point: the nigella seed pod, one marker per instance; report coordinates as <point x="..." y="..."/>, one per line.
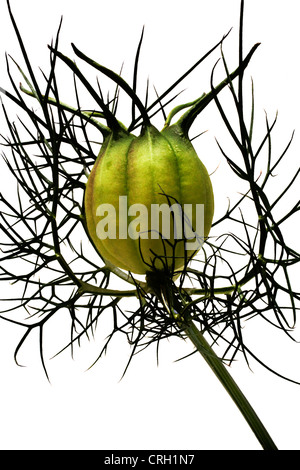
<point x="149" y="200"/>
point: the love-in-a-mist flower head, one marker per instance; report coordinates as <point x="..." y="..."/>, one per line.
<point x="98" y="200"/>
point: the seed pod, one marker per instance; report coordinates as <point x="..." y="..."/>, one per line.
<point x="149" y="200"/>
<point x="134" y="174"/>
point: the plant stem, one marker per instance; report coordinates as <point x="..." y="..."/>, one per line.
<point x="230" y="385"/>
<point x="187" y="119"/>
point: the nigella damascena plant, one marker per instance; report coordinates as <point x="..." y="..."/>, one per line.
<point x="141" y="203"/>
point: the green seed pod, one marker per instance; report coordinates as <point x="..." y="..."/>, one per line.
<point x="149" y="200"/>
<point x="139" y="174"/>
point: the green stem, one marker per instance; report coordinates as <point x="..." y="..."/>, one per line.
<point x="87" y="116"/>
<point x="187" y="119"/>
<point x="230" y="385"/>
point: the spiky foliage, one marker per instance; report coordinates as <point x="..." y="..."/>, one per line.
<point x="49" y="261"/>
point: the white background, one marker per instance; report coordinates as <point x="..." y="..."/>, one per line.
<point x="177" y="405"/>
